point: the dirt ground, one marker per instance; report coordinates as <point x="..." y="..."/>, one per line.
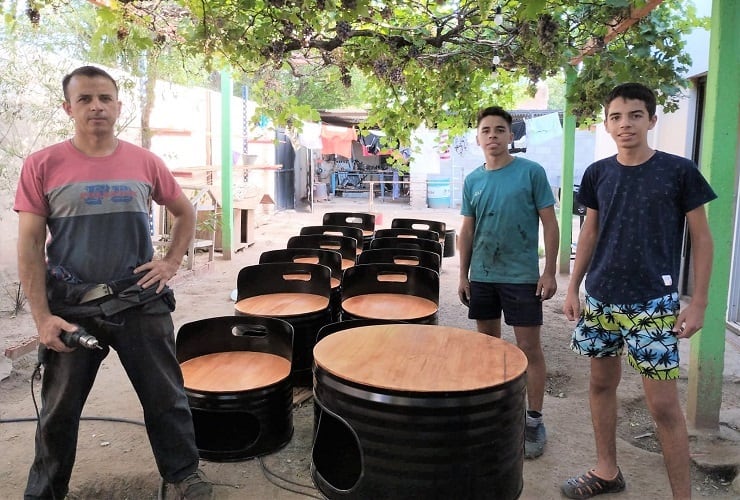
<point x="114" y="460"/>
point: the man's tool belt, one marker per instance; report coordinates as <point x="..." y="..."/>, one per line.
<point x="86" y="300"/>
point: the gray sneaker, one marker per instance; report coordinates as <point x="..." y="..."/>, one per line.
<point x="535" y="438"/>
<point x="195" y="487"/>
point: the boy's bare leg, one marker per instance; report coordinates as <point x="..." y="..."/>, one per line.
<point x="605" y="375"/>
<point x="663" y="403"/>
<point x="528" y="340"/>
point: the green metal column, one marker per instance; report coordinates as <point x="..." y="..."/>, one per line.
<point x="566" y="183"/>
<point x="719" y="161"/>
<point x="227" y="211"/>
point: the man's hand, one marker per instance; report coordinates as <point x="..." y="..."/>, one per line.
<point x="157" y="271"/>
<point x="50" y="331"/>
<point x="689" y="321"/>
<point x="572" y="306"/>
<point x="463" y="291"/>
<point x="546" y="286"/>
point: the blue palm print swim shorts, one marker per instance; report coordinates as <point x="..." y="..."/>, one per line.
<point x="652" y="348"/>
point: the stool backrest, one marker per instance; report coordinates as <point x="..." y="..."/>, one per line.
<point x="351" y="231"/>
<point x="328" y="258"/>
<point x="403" y="232"/>
<point x="283" y="277"/>
<point x="429" y="225"/>
<point x="407" y="243"/>
<point x="345" y="245"/>
<point x="364" y="279"/>
<point x="363" y="220"/>
<point x="406" y="256"/>
<point x="234" y="333"/>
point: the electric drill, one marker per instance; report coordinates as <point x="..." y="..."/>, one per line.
<point x="74" y="339"/>
<point x="79" y="338"/>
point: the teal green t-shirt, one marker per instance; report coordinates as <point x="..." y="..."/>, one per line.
<point x="505" y="205"/>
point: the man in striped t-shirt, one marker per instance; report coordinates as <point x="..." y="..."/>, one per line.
<point x="93" y="192"/>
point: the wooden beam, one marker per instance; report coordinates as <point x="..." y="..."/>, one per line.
<point x="596" y="44"/>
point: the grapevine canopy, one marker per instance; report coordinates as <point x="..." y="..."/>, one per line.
<point x="431" y="62"/>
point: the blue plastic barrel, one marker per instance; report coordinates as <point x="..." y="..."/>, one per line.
<point x="438" y="193"/>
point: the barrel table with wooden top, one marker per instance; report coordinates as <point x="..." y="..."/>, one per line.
<point x="306" y="312"/>
<point x="236" y="372"/>
<point x="418" y="411"/>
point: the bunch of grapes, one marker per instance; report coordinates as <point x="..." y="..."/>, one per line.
<point x="381" y="67"/>
<point x="288" y="29"/>
<point x="534" y="70"/>
<point x="346" y="77"/>
<point x="321" y="4"/>
<point x="344" y="30"/>
<point x="414" y="52"/>
<point x="349" y="4"/>
<point x="547" y="28"/>
<point x="396" y="76"/>
<point x="276" y="50"/>
<point x="33" y="14"/>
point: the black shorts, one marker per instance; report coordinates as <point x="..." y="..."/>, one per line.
<point x="520" y="305"/>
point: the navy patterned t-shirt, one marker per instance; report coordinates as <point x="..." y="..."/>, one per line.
<point x="641" y="224"/>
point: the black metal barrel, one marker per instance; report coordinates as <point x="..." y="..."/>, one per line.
<point x="373" y="441"/>
<point x="238" y="412"/>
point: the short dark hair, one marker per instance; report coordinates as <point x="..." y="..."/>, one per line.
<point x="634" y="91"/>
<point x="88" y="71"/>
<point x="494" y="111"/>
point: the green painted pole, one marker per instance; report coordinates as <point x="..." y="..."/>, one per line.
<point x="566" y="176"/>
<point x="227" y="218"/>
<point x="718" y="163"/>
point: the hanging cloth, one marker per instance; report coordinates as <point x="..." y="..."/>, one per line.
<point x="337" y="140"/>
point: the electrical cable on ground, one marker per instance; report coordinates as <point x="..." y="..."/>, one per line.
<point x="269" y="475"/>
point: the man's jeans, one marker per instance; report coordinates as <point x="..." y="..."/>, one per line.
<point x="146" y="348"/>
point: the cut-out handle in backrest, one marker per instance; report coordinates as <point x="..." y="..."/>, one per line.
<point x="297" y="276"/>
<point x="256" y="331"/>
<point x="353" y="220"/>
<point x="331" y="246"/>
<point x="407" y="260"/>
<point x="392" y="276"/>
<point x="421" y="226"/>
<point x="305" y="260"/>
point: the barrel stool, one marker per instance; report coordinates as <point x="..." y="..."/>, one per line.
<point x="328" y="258"/>
<point x="390" y="291"/>
<point x="237" y="379"/>
<point x="299" y="293"/>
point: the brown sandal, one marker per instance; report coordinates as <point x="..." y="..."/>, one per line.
<point x="589" y="485"/>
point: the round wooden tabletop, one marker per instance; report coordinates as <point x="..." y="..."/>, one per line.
<point x="282" y="304"/>
<point x="389" y="306"/>
<point x="234" y="371"/>
<point x="419" y="358"/>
